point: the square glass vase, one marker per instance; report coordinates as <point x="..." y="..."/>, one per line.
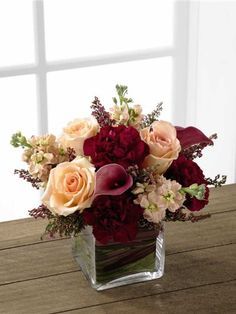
<point x="117" y="264"/>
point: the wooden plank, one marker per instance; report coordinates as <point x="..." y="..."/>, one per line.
<point x="21" y="232"/>
<point x="26" y="231"/>
<point x="70" y="291"/>
<point x="216" y="230"/>
<point x="221" y="192"/>
<point x="216" y="298"/>
<point x="35" y="261"/>
<point x="38" y="260"/>
<point x="222" y="199"/>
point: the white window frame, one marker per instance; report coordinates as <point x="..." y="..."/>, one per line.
<point x="179" y="53"/>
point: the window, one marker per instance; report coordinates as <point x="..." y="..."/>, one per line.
<point x="56" y="55"/>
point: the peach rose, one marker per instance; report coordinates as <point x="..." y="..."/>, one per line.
<point x="77" y="131"/>
<point x="70" y="187"/>
<point x="163" y="144"/>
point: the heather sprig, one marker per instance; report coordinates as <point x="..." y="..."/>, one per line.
<point x="41" y="212"/>
<point x="67" y="226"/>
<point x="140" y="175"/>
<point x="145" y="224"/>
<point x="100" y="114"/>
<point x="25" y="175"/>
<point x="195" y="151"/>
<point x="152" y="117"/>
<point x="71" y="153"/>
<point x="181" y="215"/>
<point x="62" y="225"/>
<point x="217" y="181"/>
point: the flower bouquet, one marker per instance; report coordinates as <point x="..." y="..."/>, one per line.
<point x="111" y="180"/>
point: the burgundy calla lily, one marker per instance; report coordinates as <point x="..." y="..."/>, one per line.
<point x="112" y="179"/>
<point x="191" y="136"/>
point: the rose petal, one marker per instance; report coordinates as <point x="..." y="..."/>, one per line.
<point x="190" y="136"/>
<point x="112" y="179"/>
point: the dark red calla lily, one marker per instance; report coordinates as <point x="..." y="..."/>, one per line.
<point x="112" y="179"/>
<point x="191" y="136"/>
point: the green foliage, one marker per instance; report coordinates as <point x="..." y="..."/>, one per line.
<point x="19" y="140"/>
<point x="122" y="91"/>
<point x="195" y="190"/>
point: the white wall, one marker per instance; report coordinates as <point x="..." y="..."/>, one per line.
<point x="212" y="82"/>
<point x="211" y="92"/>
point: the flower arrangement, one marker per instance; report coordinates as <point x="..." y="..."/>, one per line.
<point x="117" y="171"/>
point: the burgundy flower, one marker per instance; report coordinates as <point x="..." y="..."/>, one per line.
<point x="191" y="136"/>
<point x="121" y="145"/>
<point x="112" y="179"/>
<point x="113" y="218"/>
<point x="187" y="172"/>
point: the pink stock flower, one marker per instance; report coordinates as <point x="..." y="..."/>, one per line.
<point x="156" y="199"/>
<point x="169" y="196"/>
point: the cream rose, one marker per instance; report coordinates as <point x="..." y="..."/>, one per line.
<point x="77" y="131"/>
<point x="70" y="187"/>
<point x="163" y="144"/>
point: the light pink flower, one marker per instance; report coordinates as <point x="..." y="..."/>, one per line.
<point x="120" y="114"/>
<point x="156" y="199"/>
<point x="77" y="131"/>
<point x="127" y="115"/>
<point x="163" y="144"/>
<point x="135" y="116"/>
<point x="169" y="195"/>
<point x="70" y="187"/>
<point x="154" y="216"/>
<point x="149" y="200"/>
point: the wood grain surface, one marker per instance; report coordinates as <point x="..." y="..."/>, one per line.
<point x="200" y="272"/>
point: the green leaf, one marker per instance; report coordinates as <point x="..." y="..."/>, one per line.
<point x="122" y="90"/>
<point x="114" y="100"/>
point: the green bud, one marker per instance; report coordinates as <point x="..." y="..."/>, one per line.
<point x="18" y="140"/>
<point x="61" y="151"/>
<point x="195" y="190"/>
<point x="122" y="90"/>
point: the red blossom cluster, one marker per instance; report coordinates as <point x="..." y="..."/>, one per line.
<point x="114" y="218"/>
<point x="121" y="145"/>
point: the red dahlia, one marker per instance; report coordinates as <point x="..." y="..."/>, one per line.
<point x="187" y="172"/>
<point x="113" y="218"/>
<point x="121" y="145"/>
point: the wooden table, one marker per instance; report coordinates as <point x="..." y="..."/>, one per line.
<point x="200" y="274"/>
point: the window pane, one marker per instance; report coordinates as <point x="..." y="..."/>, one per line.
<point x="84" y="28"/>
<point x="17" y="98"/>
<point x="16" y="32"/>
<point x="70" y="92"/>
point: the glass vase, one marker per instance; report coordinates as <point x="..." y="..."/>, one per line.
<point x="116" y="264"/>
